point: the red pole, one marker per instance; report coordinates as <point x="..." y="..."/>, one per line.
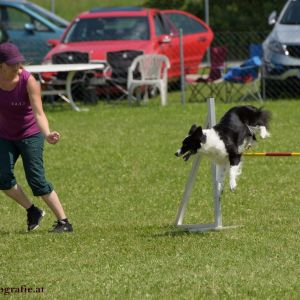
<point x="271" y="154"/>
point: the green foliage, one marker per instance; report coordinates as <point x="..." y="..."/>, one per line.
<point x="229" y="15"/>
<point x="69" y="9"/>
<point x="242" y="15"/>
<point x="171" y="4"/>
<point x="120" y="183"/>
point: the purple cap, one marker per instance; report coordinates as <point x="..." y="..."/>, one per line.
<point x="10" y="54"/>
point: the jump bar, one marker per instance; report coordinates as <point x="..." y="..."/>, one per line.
<point x="271" y="154"/>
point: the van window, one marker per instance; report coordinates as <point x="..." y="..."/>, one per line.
<point x="291" y="15"/>
<point x="15" y="19"/>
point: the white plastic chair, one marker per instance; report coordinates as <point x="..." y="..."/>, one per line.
<point x="152" y="71"/>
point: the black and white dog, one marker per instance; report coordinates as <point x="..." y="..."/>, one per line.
<point x="226" y="141"/>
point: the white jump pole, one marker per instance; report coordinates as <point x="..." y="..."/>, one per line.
<point x="211" y="121"/>
<point x="214" y="170"/>
<point x="188" y="191"/>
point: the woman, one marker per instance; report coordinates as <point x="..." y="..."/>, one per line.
<point x="23" y="128"/>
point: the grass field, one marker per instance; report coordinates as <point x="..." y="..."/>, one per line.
<point x="121" y="184"/>
<point x="68" y="9"/>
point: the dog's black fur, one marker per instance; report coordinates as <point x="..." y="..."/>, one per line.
<point x="227" y="140"/>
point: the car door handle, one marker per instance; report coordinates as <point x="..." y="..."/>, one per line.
<point x="202" y="39"/>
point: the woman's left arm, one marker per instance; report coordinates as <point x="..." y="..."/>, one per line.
<point x="34" y="92"/>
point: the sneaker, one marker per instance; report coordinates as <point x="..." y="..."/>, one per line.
<point x="62" y="226"/>
<point x="34" y="217"/>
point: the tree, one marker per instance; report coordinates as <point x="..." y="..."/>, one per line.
<point x="227" y="15"/>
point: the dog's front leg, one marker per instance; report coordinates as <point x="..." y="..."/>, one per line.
<point x="221" y="172"/>
<point x="234" y="170"/>
<point x="263" y="132"/>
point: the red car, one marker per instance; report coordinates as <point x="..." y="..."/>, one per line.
<point x="92" y="34"/>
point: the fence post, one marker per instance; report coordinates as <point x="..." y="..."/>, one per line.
<point x="53" y="6"/>
<point x="182" y="72"/>
<point x="207" y="22"/>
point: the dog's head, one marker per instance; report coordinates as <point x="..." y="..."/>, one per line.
<point x="254" y="116"/>
<point x="192" y="143"/>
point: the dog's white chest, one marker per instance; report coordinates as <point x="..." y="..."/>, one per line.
<point x="214" y="147"/>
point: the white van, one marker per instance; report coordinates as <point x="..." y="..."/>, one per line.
<point x="282" y="47"/>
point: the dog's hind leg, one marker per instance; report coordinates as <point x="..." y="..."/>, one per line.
<point x="234" y="170"/>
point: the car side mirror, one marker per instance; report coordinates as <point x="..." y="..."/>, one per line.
<point x="164" y="39"/>
<point x="29" y="27"/>
<point x="53" y="43"/>
<point x="272" y="18"/>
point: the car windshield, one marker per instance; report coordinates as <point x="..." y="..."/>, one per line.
<point x="291" y="15"/>
<point x="58" y="21"/>
<point x="108" y="28"/>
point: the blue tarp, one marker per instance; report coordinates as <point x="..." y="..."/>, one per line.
<point x="246" y="72"/>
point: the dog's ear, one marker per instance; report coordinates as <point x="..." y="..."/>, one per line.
<point x="200" y="135"/>
<point x="265" y="116"/>
<point x="193" y="129"/>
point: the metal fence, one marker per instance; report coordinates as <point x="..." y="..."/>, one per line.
<point x="238" y="50"/>
<point x="237" y="44"/>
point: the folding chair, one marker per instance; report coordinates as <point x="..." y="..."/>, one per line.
<point x="199" y="83"/>
<point x="256" y="50"/>
<point x="117" y="72"/>
<point x="247" y="77"/>
<point x="149" y="70"/>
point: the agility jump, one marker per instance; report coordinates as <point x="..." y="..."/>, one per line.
<point x="211" y="121"/>
<point x="217" y="189"/>
<point x="271" y="154"/>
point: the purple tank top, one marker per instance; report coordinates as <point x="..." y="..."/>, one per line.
<point x="16" y="116"/>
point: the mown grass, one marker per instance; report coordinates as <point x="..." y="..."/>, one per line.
<point x="121" y="184"/>
<point x="68" y="9"/>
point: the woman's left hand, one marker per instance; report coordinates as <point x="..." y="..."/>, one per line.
<point x="53" y="137"/>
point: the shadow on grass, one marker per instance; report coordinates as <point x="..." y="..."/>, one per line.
<point x="173" y="231"/>
<point x="15" y="232"/>
<point x="40" y="232"/>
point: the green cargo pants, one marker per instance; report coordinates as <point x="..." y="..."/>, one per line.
<point x="31" y="150"/>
